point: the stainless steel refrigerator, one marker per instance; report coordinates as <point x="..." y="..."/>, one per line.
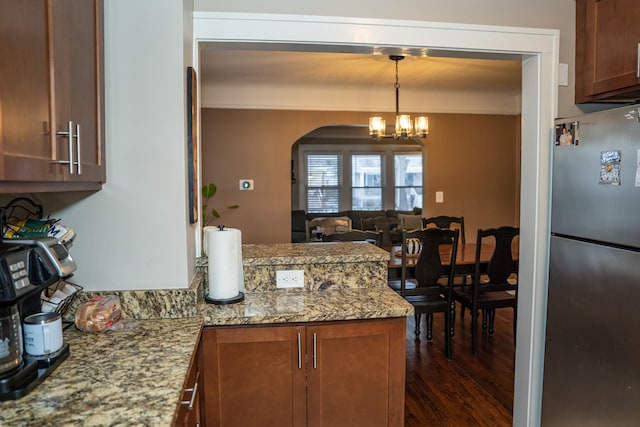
<point x="592" y="349"/>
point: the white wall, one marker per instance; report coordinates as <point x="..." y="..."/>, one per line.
<point x="557" y="14"/>
<point x="135" y="233"/>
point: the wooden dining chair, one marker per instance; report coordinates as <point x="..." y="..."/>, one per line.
<point x="374" y="237"/>
<point x="450" y="222"/>
<point x="431" y="291"/>
<point x="497" y="287"/>
<point x="447" y="222"/>
<point x="383" y="224"/>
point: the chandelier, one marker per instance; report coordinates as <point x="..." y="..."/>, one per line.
<point x="405" y="128"/>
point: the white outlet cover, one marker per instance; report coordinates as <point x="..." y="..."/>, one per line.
<point x="290" y="279"/>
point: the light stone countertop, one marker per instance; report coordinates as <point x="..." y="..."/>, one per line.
<point x="311" y="253"/>
<point x="123" y="378"/>
<point x="295" y="306"/>
<point x="135" y="377"/>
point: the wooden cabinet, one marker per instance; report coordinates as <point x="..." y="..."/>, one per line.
<point x="319" y="374"/>
<point x="607" y="50"/>
<point x="189" y="408"/>
<point x="51" y="83"/>
<point x="356" y="374"/>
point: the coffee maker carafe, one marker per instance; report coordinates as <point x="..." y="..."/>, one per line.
<point x="11" y="346"/>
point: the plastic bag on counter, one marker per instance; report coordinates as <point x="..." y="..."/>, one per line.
<point x="102" y="313"/>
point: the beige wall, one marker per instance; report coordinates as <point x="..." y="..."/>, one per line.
<point x="473" y="159"/>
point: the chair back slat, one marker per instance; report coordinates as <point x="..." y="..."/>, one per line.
<point x="429" y="268"/>
<point x="501" y="264"/>
<point x="446" y="222"/>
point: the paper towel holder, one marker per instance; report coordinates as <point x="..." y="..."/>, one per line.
<point x="225" y="301"/>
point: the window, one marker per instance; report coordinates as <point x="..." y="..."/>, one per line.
<point x="356" y="178"/>
<point x="408" y="181"/>
<point x="324" y="182"/>
<point x="366" y="182"/>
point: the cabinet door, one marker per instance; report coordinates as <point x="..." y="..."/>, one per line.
<point x="78" y="88"/>
<point x="254" y="376"/>
<point x="607" y="49"/>
<point x="356" y="374"/>
<point x="25" y="146"/>
<point x="188" y="414"/>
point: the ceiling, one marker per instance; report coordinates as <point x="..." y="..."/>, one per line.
<point x="430" y="71"/>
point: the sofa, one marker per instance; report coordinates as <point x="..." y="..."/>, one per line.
<point x="299" y="218"/>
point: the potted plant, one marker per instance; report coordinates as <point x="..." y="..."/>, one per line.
<point x="210" y="215"/>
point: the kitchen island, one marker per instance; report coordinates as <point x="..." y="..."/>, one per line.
<point x="136" y="377"/>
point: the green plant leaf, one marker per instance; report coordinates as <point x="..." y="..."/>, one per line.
<point x="215" y="213"/>
<point x="208" y="191"/>
<point x="233" y="207"/>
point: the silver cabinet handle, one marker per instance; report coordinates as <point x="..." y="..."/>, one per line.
<point x="69" y="134"/>
<point x="194" y="392"/>
<point x="638" y="62"/>
<point x="79" y="162"/>
<point x="299" y="353"/>
<point x="315" y="353"/>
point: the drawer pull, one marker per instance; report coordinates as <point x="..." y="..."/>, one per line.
<point x="194" y="392"/>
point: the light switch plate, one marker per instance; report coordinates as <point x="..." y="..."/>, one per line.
<point x="563" y="74"/>
<point x="246" y="184"/>
<point x="439" y="197"/>
<point x="290" y="279"/>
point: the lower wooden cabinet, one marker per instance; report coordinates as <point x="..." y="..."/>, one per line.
<point x="189" y="408"/>
<point x="329" y="374"/>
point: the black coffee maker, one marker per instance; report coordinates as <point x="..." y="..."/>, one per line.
<point x="24" y="272"/>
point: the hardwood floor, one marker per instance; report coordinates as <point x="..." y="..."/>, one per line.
<point x="466" y="391"/>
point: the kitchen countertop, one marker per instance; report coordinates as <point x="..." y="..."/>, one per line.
<point x="294" y="306"/>
<point x="135" y="377"/>
<point x="124" y="378"/>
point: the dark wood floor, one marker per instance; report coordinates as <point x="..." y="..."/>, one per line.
<point x="466" y="391"/>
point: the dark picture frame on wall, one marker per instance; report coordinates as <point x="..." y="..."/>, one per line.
<point x="192" y="143"/>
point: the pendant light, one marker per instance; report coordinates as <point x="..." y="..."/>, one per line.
<point x="405" y="128"/>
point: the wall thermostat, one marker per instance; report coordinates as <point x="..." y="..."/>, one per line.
<point x="246" y="184"/>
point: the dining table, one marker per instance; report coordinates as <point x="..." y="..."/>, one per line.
<point x="465" y="258"/>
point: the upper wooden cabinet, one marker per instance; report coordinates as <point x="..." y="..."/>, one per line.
<point x="51" y="86"/>
<point x="607" y="50"/>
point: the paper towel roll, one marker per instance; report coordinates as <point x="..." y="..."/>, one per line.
<point x="224" y="249"/>
<point x="205" y="230"/>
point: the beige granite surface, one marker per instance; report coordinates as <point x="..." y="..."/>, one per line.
<point x="308" y="253"/>
<point x="126" y="378"/>
<point x="283" y="306"/>
<point x="135" y="377"/>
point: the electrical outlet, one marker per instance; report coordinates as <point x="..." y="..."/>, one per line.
<point x="290" y="279"/>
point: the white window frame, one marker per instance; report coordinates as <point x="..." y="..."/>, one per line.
<point x="387" y="152"/>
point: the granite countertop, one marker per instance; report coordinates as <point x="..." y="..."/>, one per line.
<point x="123" y="378"/>
<point x="136" y="376"/>
<point x="294" y="306"/>
<point x="311" y="253"/>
